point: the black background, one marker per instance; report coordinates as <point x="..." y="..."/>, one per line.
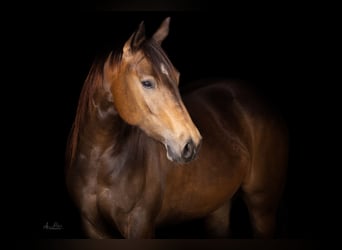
<point x="274" y="50"/>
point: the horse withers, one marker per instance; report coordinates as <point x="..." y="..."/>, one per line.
<point x="141" y="156"/>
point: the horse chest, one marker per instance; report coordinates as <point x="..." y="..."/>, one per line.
<point x="126" y="201"/>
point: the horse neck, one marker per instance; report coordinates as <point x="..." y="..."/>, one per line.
<point x="111" y="134"/>
<point x="124" y="149"/>
<point x="101" y="120"/>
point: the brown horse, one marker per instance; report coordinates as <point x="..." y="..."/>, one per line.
<point x="136" y="158"/>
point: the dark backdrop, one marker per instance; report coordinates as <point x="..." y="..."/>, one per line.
<point x="271" y="50"/>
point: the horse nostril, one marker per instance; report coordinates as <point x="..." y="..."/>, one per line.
<point x="188" y="150"/>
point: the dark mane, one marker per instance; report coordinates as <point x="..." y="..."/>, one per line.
<point x="93" y="81"/>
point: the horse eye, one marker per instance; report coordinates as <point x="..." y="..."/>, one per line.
<point x="147" y="84"/>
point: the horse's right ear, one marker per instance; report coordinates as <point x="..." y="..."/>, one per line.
<point x="134" y="42"/>
<point x="162" y="31"/>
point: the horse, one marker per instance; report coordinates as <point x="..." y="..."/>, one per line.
<point x="140" y="155"/>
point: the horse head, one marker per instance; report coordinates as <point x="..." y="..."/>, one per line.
<point x="144" y="88"/>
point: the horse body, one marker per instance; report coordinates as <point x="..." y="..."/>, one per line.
<point x="244" y="146"/>
<point x="125" y="176"/>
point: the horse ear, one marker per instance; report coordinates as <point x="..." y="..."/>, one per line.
<point x="162" y="31"/>
<point x="108" y="72"/>
<point x="134" y="42"/>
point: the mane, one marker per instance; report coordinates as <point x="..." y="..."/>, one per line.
<point x="93" y="81"/>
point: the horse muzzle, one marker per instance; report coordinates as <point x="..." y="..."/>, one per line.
<point x="184" y="154"/>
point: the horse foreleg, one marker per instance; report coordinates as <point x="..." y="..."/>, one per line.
<point x="262" y="213"/>
<point x="218" y="222"/>
<point x="92" y="230"/>
<point x="140" y="225"/>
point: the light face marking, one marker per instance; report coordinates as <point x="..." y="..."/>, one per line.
<point x="163" y="70"/>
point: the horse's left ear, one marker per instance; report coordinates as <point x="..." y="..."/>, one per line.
<point x="134" y="42"/>
<point x="162" y="31"/>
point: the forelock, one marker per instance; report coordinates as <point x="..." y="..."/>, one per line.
<point x="160" y="62"/>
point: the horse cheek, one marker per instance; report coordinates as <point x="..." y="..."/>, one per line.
<point x="126" y="104"/>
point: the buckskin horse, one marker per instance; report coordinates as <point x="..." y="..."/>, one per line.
<point x="140" y="155"/>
